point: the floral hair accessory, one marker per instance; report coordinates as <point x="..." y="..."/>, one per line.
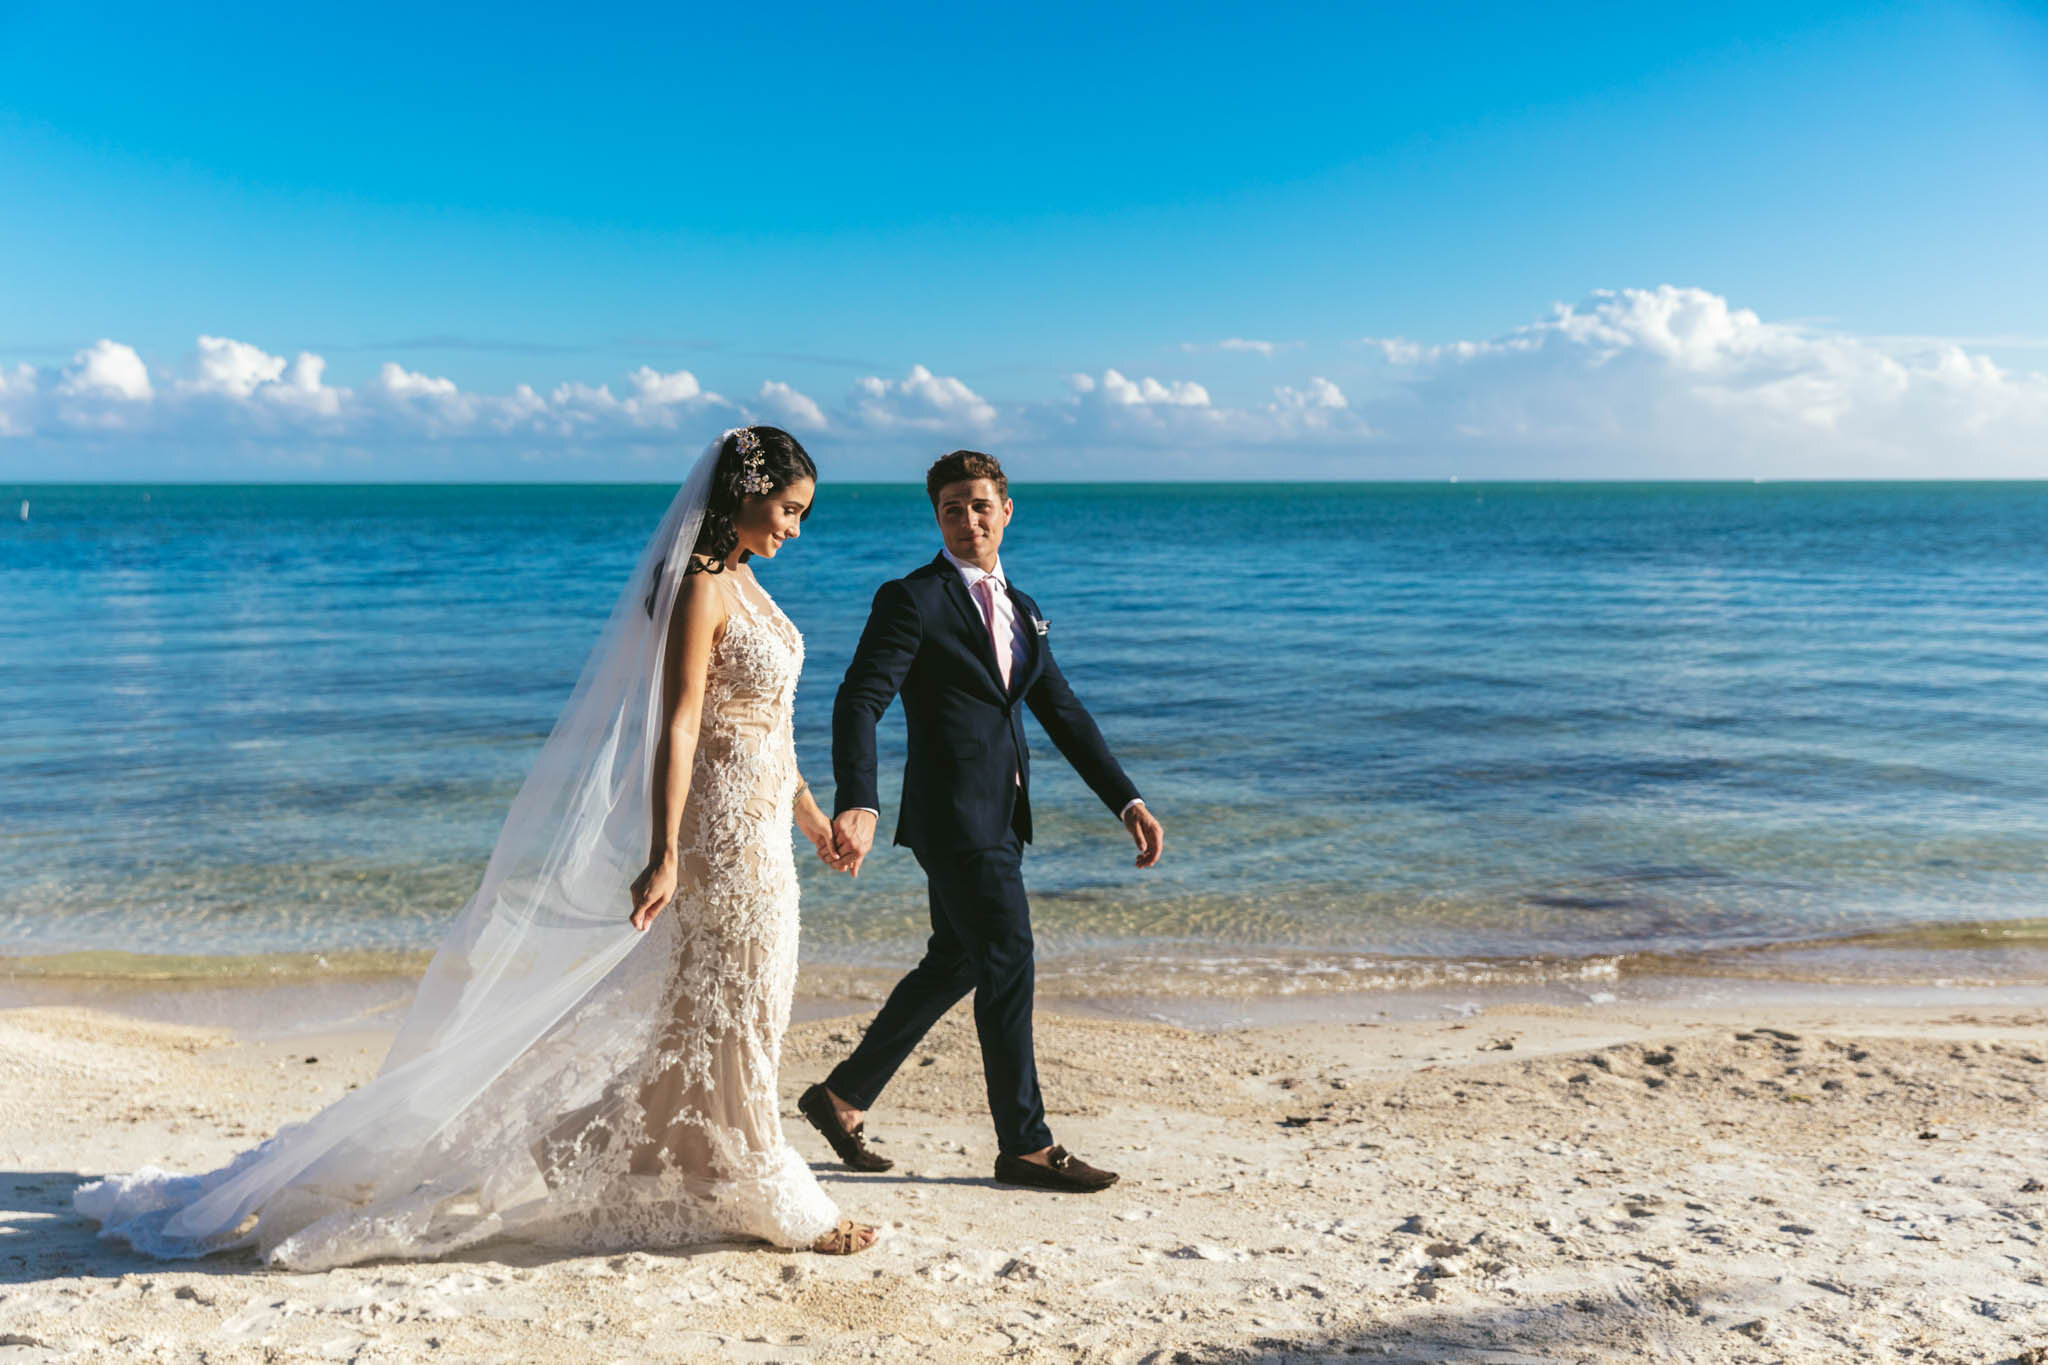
<point x="754" y="480"/>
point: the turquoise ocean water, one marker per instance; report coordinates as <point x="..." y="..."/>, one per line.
<point x="1397" y="732"/>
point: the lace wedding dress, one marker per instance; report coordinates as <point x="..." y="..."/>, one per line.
<point x="687" y="1145"/>
<point x="561" y="1078"/>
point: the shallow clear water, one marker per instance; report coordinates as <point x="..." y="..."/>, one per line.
<point x="1382" y="722"/>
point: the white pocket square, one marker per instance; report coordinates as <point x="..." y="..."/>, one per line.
<point x="1040" y="624"/>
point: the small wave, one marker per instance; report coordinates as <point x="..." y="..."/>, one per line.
<point x="1261" y="974"/>
<point x="1986" y="953"/>
<point x="223" y="970"/>
<point x="1961" y="934"/>
<point x="1970" y="953"/>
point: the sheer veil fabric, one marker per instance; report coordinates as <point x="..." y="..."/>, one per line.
<point x="545" y="1024"/>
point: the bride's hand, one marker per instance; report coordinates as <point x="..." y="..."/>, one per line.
<point x="652" y="890"/>
<point x="810" y="819"/>
<point x="828" y="854"/>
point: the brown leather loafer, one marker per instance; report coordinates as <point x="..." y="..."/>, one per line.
<point x="816" y="1105"/>
<point x="1067" y="1173"/>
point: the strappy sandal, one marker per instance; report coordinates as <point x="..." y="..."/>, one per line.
<point x="844" y="1240"/>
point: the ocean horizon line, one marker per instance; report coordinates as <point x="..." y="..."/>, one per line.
<point x="1458" y="482"/>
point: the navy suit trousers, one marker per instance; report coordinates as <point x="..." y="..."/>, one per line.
<point x="981" y="942"/>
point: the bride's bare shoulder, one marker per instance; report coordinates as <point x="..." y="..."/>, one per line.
<point x="699" y="600"/>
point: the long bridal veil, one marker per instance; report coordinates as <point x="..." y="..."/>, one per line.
<point x="533" y="1002"/>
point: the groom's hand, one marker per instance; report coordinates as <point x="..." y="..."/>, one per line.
<point x="853" y="835"/>
<point x="1147" y="832"/>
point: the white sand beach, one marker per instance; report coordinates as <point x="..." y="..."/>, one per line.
<point x="1530" y="1183"/>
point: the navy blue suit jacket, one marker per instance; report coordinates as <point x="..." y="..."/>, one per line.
<point x="926" y="640"/>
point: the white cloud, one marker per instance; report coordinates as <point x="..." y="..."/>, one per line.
<point x="1675" y="381"/>
<point x="1113" y="411"/>
<point x="658" y="403"/>
<point x="665" y="401"/>
<point x="107" y="369"/>
<point x="433" y="406"/>
<point x="790" y="408"/>
<point x="1666" y="382"/>
<point x="524" y="404"/>
<point x="1318" y="411"/>
<point x="921" y="401"/>
<point x="1182" y="393"/>
<point x="245" y="386"/>
<point x="1245" y="344"/>
<point x="398" y="382"/>
<point x="1320" y="393"/>
<point x="655" y="389"/>
<point x="1397" y="351"/>
<point x="1182" y="418"/>
<point x="17" y="395"/>
<point x="234" y="369"/>
<point x="583" y="396"/>
<point x="301" y="387"/>
<point x="105" y="391"/>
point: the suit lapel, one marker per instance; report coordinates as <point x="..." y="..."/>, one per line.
<point x="1034" y="646"/>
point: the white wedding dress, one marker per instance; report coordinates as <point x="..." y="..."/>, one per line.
<point x="686" y="1145"/>
<point x="561" y="1078"/>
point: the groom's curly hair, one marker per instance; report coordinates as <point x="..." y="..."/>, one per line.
<point x="961" y="466"/>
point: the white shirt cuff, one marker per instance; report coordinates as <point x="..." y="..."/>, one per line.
<point x="869" y="809"/>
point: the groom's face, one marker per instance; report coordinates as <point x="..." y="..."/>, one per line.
<point x="972" y="516"/>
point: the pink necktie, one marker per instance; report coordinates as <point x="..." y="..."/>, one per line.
<point x="985" y="589"/>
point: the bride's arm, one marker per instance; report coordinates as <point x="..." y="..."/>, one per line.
<point x="693" y="627"/>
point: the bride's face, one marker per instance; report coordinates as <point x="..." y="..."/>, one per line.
<point x="765" y="520"/>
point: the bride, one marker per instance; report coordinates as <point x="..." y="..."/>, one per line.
<point x="567" y="1074"/>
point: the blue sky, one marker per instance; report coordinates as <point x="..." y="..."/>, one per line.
<point x="1522" y="241"/>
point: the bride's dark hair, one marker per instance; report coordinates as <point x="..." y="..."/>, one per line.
<point x="782" y="459"/>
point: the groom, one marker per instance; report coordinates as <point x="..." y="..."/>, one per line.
<point x="968" y="652"/>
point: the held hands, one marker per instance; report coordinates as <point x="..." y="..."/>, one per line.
<point x="811" y="820"/>
<point x="1147" y="832"/>
<point x="853" y="836"/>
<point x="653" y="889"/>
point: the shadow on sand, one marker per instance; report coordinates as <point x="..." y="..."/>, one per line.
<point x="1575" y="1330"/>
